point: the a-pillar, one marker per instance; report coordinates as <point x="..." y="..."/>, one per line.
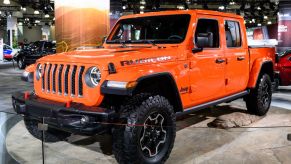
<point x="284" y="26"/>
<point x="12" y="30"/>
<point x="80" y="23"/>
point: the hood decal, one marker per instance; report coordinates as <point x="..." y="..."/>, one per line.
<point x="145" y="60"/>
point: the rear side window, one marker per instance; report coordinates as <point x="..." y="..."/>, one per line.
<point x="207" y="33"/>
<point x="232" y="34"/>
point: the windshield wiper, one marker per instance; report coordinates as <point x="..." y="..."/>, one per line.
<point x="123" y="45"/>
<point x="151" y="42"/>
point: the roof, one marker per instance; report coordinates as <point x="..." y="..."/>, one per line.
<point x="172" y="12"/>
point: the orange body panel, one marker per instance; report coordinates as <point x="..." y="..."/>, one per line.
<point x="207" y="81"/>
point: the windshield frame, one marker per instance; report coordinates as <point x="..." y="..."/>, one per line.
<point x="155" y="41"/>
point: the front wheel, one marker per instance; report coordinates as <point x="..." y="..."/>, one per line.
<point x="20" y="63"/>
<point x="259" y="100"/>
<point x="148" y="134"/>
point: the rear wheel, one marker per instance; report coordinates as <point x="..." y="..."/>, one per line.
<point x="148" y="134"/>
<point x="51" y="135"/>
<point x="20" y="63"/>
<point x="259" y="100"/>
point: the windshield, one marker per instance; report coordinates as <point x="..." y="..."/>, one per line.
<point x="153" y="29"/>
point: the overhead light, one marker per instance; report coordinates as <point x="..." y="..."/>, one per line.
<point x="265" y="17"/>
<point x="37" y="21"/>
<point x="23" y="8"/>
<point x="123" y="7"/>
<point x="141" y="12"/>
<point x="247" y="6"/>
<point x="181" y="7"/>
<point x="141" y="7"/>
<point x="142" y="2"/>
<point x="251" y="21"/>
<point x="232" y="3"/>
<point x="36" y="12"/>
<point x="269" y="22"/>
<point x="20" y="23"/>
<point x="221" y="7"/>
<point x="259" y="24"/>
<point x="259" y="8"/>
<point x="6" y="2"/>
<point x="46" y="16"/>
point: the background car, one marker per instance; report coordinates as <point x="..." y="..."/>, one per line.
<point x="29" y="54"/>
<point x="283" y="69"/>
<point x="9" y="52"/>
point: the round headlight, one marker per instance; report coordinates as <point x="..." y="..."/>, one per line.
<point x="38" y="71"/>
<point x="93" y="77"/>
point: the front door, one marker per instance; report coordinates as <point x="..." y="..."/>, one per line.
<point x="207" y="67"/>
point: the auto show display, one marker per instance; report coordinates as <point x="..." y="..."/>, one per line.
<point x="29" y="54"/>
<point x="151" y="68"/>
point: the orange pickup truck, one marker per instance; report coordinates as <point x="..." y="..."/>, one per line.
<point x="151" y="68"/>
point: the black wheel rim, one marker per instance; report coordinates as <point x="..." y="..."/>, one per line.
<point x="20" y="63"/>
<point x="266" y="95"/>
<point x="153" y="135"/>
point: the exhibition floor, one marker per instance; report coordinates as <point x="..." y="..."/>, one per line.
<point x="264" y="141"/>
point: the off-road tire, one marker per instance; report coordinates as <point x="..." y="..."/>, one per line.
<point x="51" y="135"/>
<point x="20" y="63"/>
<point x="259" y="100"/>
<point x="127" y="136"/>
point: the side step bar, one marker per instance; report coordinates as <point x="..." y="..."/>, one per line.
<point x="212" y="103"/>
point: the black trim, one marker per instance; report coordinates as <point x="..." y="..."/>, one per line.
<point x="131" y="91"/>
<point x="111" y="68"/>
<point x="172" y="81"/>
<point x="58" y="116"/>
<point x="212" y="103"/>
<point x="115" y="91"/>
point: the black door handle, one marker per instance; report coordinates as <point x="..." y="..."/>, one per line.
<point x="219" y="61"/>
<point x="240" y="58"/>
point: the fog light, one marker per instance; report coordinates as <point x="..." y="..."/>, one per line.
<point x="84" y="120"/>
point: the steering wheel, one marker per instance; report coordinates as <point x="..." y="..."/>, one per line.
<point x="175" y="37"/>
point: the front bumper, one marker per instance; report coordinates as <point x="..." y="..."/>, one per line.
<point x="77" y="119"/>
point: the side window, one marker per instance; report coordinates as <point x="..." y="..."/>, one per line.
<point x="232" y="34"/>
<point x="207" y="33"/>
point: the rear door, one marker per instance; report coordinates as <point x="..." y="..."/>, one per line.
<point x="236" y="54"/>
<point x="207" y="67"/>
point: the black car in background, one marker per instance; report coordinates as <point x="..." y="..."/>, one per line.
<point x="30" y="53"/>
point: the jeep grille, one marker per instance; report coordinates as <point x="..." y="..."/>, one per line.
<point x="63" y="79"/>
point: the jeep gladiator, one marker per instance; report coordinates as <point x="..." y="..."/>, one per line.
<point x="152" y="68"/>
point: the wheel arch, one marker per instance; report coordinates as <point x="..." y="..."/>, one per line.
<point x="163" y="84"/>
<point x="258" y="69"/>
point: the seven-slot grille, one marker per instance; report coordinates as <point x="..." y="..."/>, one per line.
<point x="63" y="79"/>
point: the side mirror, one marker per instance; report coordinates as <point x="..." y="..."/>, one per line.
<point x="197" y="49"/>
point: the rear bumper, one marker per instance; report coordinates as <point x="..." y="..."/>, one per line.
<point x="77" y="119"/>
